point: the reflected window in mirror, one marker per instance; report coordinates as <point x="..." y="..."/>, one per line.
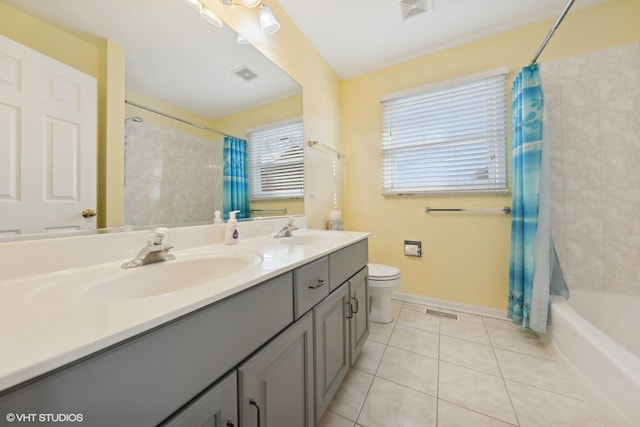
<point x="276" y="163"/>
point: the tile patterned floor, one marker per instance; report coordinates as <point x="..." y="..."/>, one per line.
<point x="426" y="371"/>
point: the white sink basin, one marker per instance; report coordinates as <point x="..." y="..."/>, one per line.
<point x="305" y="239"/>
<point x="166" y="277"/>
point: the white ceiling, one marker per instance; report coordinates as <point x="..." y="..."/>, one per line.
<point x="358" y="36"/>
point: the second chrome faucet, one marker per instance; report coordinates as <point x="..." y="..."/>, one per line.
<point x="156" y="250"/>
<point x="287" y="230"/>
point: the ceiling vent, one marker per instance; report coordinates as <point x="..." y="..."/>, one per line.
<point x="245" y="73"/>
<point x="410" y="8"/>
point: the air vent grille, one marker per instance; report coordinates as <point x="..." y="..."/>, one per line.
<point x="245" y="73"/>
<point x="441" y="314"/>
<point x="410" y="8"/>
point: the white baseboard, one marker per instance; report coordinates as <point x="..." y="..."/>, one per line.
<point x="451" y="305"/>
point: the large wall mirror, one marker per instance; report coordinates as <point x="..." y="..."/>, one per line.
<point x="189" y="86"/>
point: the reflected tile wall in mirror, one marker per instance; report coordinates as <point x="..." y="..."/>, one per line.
<point x="171" y="176"/>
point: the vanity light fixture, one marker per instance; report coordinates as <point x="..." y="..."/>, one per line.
<point x="206" y="14"/>
<point x="268" y="22"/>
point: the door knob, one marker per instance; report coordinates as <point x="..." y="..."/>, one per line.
<point x="88" y="213"/>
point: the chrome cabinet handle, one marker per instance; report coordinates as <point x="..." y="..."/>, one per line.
<point x="355" y="310"/>
<point x="350" y="310"/>
<point x="318" y="284"/>
<point x="254" y="403"/>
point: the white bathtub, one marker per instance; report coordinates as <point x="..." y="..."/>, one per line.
<point x="598" y="337"/>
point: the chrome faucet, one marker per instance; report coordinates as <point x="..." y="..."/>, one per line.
<point x="157" y="250"/>
<point x="287" y="230"/>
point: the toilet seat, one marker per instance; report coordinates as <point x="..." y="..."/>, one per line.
<point x="381" y="272"/>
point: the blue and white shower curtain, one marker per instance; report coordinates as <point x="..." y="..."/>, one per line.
<point x="531" y="249"/>
<point x="236" y="178"/>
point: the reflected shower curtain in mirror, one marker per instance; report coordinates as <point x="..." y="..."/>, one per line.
<point x="236" y="177"/>
<point x="531" y="249"/>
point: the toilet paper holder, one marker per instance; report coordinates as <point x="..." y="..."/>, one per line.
<point x="413" y="248"/>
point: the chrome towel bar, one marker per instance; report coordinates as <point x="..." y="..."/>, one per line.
<point x="282" y="210"/>
<point x="505" y="210"/>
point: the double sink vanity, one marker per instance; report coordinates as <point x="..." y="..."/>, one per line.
<point x="257" y="334"/>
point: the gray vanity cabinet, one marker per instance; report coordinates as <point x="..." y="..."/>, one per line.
<point x="215" y="407"/>
<point x="359" y="320"/>
<point x="331" y="335"/>
<point x="340" y="322"/>
<point x="276" y="384"/>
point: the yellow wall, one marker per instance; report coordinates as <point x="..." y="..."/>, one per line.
<point x="49" y="40"/>
<point x="465" y="257"/>
<point x="111" y="85"/>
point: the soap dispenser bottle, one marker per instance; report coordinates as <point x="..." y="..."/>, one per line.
<point x="231" y="235"/>
<point x="217" y="219"/>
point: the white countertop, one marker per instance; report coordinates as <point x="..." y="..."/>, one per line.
<point x="45" y="325"/>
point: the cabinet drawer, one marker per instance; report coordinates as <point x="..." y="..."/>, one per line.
<point x="310" y="285"/>
<point x="347" y="261"/>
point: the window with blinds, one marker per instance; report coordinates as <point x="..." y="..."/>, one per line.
<point x="446" y="138"/>
<point x="276" y="164"/>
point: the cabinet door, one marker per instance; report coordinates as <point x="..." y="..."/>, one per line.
<point x="359" y="299"/>
<point x="216" y="407"/>
<point x="276" y="384"/>
<point x="331" y="335"/>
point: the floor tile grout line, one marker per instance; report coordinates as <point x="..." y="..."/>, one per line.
<point x="366" y="396"/>
<point x="504" y="382"/>
<point x="478" y="412"/>
<point x="577" y="399"/>
<point x="471" y="369"/>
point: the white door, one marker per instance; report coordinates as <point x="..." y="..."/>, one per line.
<point x="48" y="140"/>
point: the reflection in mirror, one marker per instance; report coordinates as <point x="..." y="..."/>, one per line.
<point x="172" y="176"/>
<point x="175" y="63"/>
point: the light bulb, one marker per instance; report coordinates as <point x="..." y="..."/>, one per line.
<point x="268" y="22"/>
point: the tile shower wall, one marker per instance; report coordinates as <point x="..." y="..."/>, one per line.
<point x="593" y="116"/>
<point x="170" y="176"/>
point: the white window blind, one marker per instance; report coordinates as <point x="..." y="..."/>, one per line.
<point x="276" y="164"/>
<point x="450" y="138"/>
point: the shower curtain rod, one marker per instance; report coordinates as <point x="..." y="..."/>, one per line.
<point x="553" y="30"/>
<point x="199" y="126"/>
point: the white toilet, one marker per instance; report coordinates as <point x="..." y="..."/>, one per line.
<point x="383" y="279"/>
